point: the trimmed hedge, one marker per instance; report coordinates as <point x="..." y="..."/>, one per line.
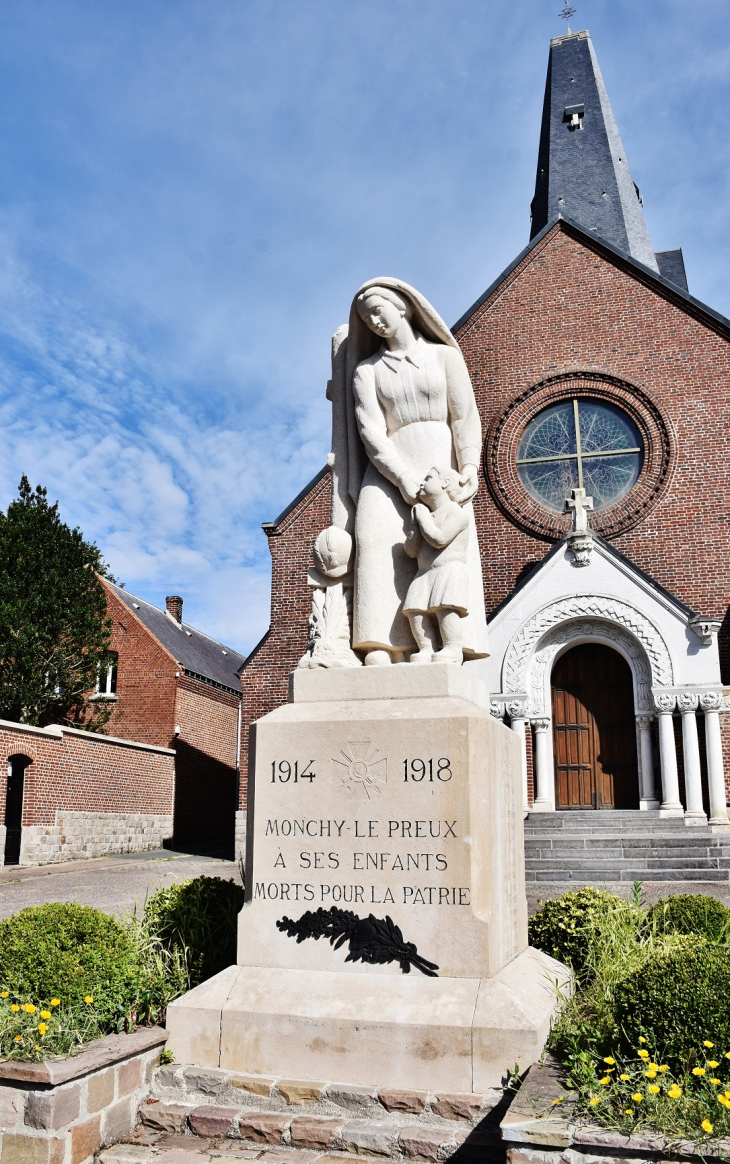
<point x="564" y="928"/>
<point x="678" y="999"/>
<point x="69" y="952"/>
<point x="692" y="913"/>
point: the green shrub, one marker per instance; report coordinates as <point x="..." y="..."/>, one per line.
<point x="565" y="928"/>
<point x="198" y="920"/>
<point x="692" y="913"/>
<point x="679" y="998"/>
<point x="70" y="952"/>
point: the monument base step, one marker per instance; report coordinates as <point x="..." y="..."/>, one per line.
<point x="307" y="1120"/>
<point x="376" y="1029"/>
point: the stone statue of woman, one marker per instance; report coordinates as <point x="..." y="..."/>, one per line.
<point x="402" y="404"/>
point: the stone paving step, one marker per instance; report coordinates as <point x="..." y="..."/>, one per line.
<point x="321" y="1119"/>
<point x="628" y="874"/>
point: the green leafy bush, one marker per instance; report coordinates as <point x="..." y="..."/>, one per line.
<point x="692" y="913"/>
<point x="70" y="952"/>
<point x="679" y="998"/>
<point x="197" y="921"/>
<point x="565" y="928"/>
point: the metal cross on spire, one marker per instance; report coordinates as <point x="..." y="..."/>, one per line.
<point x="566" y="13"/>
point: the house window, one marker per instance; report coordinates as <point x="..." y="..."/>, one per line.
<point x="580" y="444"/>
<point x="107" y="683"/>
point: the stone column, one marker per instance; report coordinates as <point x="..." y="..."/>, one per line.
<point x="711" y="702"/>
<point x="647" y="792"/>
<point x="671" y="804"/>
<point x="517" y="712"/>
<point x="688" y="702"/>
<point x="545" y="780"/>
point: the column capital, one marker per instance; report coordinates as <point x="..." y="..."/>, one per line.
<point x="688" y="701"/>
<point x="665" y="702"/>
<point x="517" y="709"/>
<point x="645" y="719"/>
<point x="497" y="710"/>
<point x="541" y="725"/>
<point x="711" y="700"/>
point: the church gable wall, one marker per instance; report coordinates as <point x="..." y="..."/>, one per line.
<point x="564" y="309"/>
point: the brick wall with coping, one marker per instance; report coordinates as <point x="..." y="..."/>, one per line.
<point x="566" y="310"/>
<point x="75" y="785"/>
<point x="93" y="1104"/>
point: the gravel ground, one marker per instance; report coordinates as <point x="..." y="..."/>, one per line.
<point x="112" y="884"/>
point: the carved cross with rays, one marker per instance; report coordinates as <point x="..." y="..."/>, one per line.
<point x="580" y="505"/>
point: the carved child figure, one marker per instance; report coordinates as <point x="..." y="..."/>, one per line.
<point x="437" y="597"/>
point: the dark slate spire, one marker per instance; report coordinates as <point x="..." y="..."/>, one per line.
<point x="582" y="170"/>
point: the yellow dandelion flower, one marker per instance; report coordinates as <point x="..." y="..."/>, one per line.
<point x="37" y="1047"/>
<point x="717" y="1082"/>
<point x="55" y="1002"/>
<point x="707" y="1043"/>
<point x="637" y="1097"/>
<point x="674" y="1091"/>
<point x="14" y="1007"/>
<point x="629" y="1111"/>
<point x="558" y="1100"/>
<point x="18" y="1039"/>
<point x="606" y="1079"/>
<point x="654" y="1089"/>
<point x="88" y="998"/>
<point x="642" y="1039"/>
<point x="29" y="1008"/>
<point x="609" y="1060"/>
<point x="721" y="1099"/>
<point x="698" y="1071"/>
<point x="4" y="993"/>
<point x="45" y="1014"/>
<point x="706" y="1126"/>
<point x="712" y="1063"/>
<point x="727" y="1095"/>
<point x="664" y="1067"/>
<point x="653" y="1066"/>
<point x="43" y="1028"/>
<point x="594" y="1100"/>
<point x="625" y="1078"/>
<point x="643" y="1054"/>
<point x="650" y="1074"/>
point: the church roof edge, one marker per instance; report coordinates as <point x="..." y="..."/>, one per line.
<point x="683" y="299"/>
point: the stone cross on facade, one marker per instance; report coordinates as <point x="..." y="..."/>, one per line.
<point x="580" y="505"/>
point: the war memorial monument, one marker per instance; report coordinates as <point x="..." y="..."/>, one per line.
<point x="384" y="937"/>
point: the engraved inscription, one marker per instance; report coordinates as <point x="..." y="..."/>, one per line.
<point x="362" y="769"/>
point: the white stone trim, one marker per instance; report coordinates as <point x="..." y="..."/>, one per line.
<point x="588" y="616"/>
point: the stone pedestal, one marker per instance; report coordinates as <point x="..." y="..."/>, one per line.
<point x="389" y="792"/>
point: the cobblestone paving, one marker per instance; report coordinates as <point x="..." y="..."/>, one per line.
<point x="174" y="1149"/>
<point x="112" y="884"/>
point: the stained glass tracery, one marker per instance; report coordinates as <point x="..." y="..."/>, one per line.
<point x="579" y="443"/>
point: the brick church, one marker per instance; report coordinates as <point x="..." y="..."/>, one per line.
<point x="594" y="369"/>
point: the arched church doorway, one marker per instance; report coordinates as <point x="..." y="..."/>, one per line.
<point x="14" y="807"/>
<point x="594" y="730"/>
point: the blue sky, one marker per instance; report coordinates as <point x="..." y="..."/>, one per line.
<point x="191" y="191"/>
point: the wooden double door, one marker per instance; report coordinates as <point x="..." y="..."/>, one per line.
<point x="594" y="730"/>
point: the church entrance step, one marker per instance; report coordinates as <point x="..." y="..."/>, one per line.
<point x="593" y="847"/>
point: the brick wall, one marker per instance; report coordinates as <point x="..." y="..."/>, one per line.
<point x="146" y="683"/>
<point x="85" y="794"/>
<point x="205" y="794"/>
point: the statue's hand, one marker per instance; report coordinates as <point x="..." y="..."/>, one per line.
<point x="469" y="480"/>
<point x="409" y="488"/>
<point x="419" y="512"/>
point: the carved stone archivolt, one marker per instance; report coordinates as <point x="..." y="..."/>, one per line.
<point x="532" y="652"/>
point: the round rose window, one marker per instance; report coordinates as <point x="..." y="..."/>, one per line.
<point x="579" y="444"/>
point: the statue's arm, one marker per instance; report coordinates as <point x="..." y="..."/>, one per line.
<point x="371" y="423"/>
<point x="466" y="426"/>
<point x="440" y="536"/>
